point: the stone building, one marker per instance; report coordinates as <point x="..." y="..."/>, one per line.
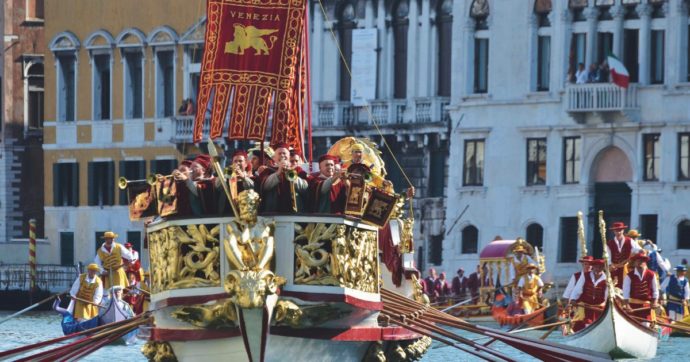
<point x="21" y="121"/>
<point x="532" y="148"/>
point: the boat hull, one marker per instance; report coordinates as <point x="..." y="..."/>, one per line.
<point x="616" y="335"/>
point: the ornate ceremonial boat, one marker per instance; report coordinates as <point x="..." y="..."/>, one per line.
<point x="616" y="334"/>
<point x="266" y="288"/>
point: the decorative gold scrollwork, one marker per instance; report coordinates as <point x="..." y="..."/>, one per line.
<point x="220" y="315"/>
<point x="293" y="315"/>
<point x="337" y="255"/>
<point x="249" y="248"/>
<point x="184" y="257"/>
<point x="407" y="236"/>
<point x="418" y="292"/>
<point x="158" y="352"/>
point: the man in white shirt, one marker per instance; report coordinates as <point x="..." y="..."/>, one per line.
<point x="640" y="288"/>
<point x="586" y="268"/>
<point x="582" y="74"/>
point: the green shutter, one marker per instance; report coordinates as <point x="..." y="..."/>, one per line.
<point x="123" y="173"/>
<point x="75" y="185"/>
<point x="152" y="167"/>
<point x="110" y="184"/>
<point x="93" y="190"/>
<point x="57" y="199"/>
<point x="141" y="171"/>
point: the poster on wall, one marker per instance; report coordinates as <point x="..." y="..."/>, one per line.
<point x="363" y="66"/>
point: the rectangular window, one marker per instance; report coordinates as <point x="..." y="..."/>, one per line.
<point x="571" y="159"/>
<point x="481" y="65"/>
<point x="437" y="171"/>
<point x="66" y="86"/>
<point x="134" y="237"/>
<point x="35" y="101"/>
<point x="445" y="36"/>
<point x="473" y="171"/>
<point x="648" y="226"/>
<point x="568" y="240"/>
<point x="656" y="72"/>
<point x="67" y="248"/>
<point x="631" y="42"/>
<point x="101" y="86"/>
<point x="604" y="46"/>
<point x="684" y="234"/>
<point x="543" y="62"/>
<point x="651" y="156"/>
<point x="436" y="250"/>
<point x="400" y="59"/>
<point x="65" y="184"/>
<point x="687" y="55"/>
<point x="34" y="10"/>
<point x="194" y="55"/>
<point x="578" y="50"/>
<point x="163" y="167"/>
<point x="133" y="84"/>
<point x="684" y="156"/>
<point x="131" y="170"/>
<point x="165" y="87"/>
<point x="101" y="183"/>
<point x="536" y="161"/>
<point x="99" y="239"/>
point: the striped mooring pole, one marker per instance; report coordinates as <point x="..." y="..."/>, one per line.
<point x="32" y="253"/>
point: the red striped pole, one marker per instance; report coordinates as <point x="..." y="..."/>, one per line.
<point x="32" y="253"/>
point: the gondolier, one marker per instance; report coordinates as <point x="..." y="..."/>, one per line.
<point x="530" y="287"/>
<point x="589" y="296"/>
<point x="521" y="260"/>
<point x="640" y="288"/>
<point x="110" y="258"/>
<point x="676" y="292"/>
<point x="585" y="261"/>
<point x="86" y="288"/>
<point x="619" y="249"/>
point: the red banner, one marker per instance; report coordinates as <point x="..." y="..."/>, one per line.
<point x="251" y="70"/>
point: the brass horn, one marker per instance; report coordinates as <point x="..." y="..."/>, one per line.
<point x="122" y="182"/>
<point x="291" y="175"/>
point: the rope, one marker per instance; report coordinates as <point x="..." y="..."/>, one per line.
<point x="366" y="106"/>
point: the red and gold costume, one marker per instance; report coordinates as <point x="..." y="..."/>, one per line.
<point x="642" y="292"/>
<point x="593" y="297"/>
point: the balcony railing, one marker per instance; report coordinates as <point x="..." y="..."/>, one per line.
<point x="600" y="98"/>
<point x="49" y="277"/>
<point x="184" y="129"/>
<point x="391" y="111"/>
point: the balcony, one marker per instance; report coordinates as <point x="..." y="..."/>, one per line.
<point x="183" y="129"/>
<point x="382" y="112"/>
<point x="601" y="100"/>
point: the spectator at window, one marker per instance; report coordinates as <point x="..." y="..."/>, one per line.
<point x="189" y="111"/>
<point x="604" y="71"/>
<point x="593" y="73"/>
<point x="582" y="74"/>
<point x="183" y="108"/>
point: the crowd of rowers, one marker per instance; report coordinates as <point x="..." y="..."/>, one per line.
<point x="637" y="268"/>
<point x="281" y="181"/>
<point x="115" y="276"/>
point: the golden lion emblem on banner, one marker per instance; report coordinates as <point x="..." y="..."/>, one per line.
<point x="250" y="37"/>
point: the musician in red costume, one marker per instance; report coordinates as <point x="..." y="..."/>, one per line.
<point x="590" y="293"/>
<point x="640" y="288"/>
<point x="134" y="265"/>
<point x="240" y="179"/>
<point x="619" y="249"/>
<point x="274" y="184"/>
<point x="586" y="268"/>
<point x="326" y="190"/>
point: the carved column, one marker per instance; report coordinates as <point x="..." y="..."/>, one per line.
<point x="458" y="77"/>
<point x="681" y="27"/>
<point x="618" y="12"/>
<point x="382" y="53"/>
<point x="567" y="18"/>
<point x="533" y="46"/>
<point x="470" y="24"/>
<point x="412" y="51"/>
<point x="425" y="68"/>
<point x="316" y="40"/>
<point x="644" y="60"/>
<point x="591" y="15"/>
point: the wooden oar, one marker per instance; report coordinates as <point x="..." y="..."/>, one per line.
<point x="556" y="324"/>
<point x="678" y="328"/>
<point x="457" y="305"/>
<point x="31" y="307"/>
<point x="87" y="302"/>
<point x="549" y="332"/>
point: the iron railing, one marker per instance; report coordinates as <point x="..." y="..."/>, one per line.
<point x="55" y="278"/>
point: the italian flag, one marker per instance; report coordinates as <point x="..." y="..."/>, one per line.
<point x="619" y="75"/>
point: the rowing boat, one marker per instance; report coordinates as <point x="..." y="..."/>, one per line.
<point x="617" y="334"/>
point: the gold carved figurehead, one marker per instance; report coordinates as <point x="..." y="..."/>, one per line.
<point x="249" y="248"/>
<point x="246" y="37"/>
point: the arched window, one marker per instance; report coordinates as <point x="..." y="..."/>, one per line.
<point x="401" y="11"/>
<point x="444" y="21"/>
<point x="163" y="41"/>
<point x="131" y="43"/>
<point x="684" y="234"/>
<point x="34" y="95"/>
<point x="535" y="235"/>
<point x="193" y="41"/>
<point x="470" y="240"/>
<point x="479" y="11"/>
<point x="100" y="46"/>
<point x="65" y="46"/>
<point x="346" y="23"/>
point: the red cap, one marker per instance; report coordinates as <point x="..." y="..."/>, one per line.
<point x="597" y="262"/>
<point x="640" y="256"/>
<point x="240" y="152"/>
<point x="128" y="245"/>
<point x="187" y="163"/>
<point x="203" y="160"/>
<point x="281" y="145"/>
<point x="586" y="259"/>
<point x="329" y="157"/>
<point x="618" y="226"/>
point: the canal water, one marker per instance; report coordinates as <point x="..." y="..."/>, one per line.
<point x="38" y="326"/>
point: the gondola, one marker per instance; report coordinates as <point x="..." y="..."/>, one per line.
<point x="617" y="334"/>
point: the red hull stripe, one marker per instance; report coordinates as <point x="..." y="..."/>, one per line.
<point x="348" y="334"/>
<point x="194" y="299"/>
<point x="164" y="334"/>
<point x="335" y="298"/>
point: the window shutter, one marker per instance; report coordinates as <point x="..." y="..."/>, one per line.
<point x="123" y="173"/>
<point x="153" y="167"/>
<point x="57" y="195"/>
<point x="141" y="169"/>
<point x="110" y="184"/>
<point x="75" y="185"/>
<point x="93" y="190"/>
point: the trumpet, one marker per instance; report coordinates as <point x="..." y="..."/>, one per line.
<point x="291" y="175"/>
<point x="123" y="183"/>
